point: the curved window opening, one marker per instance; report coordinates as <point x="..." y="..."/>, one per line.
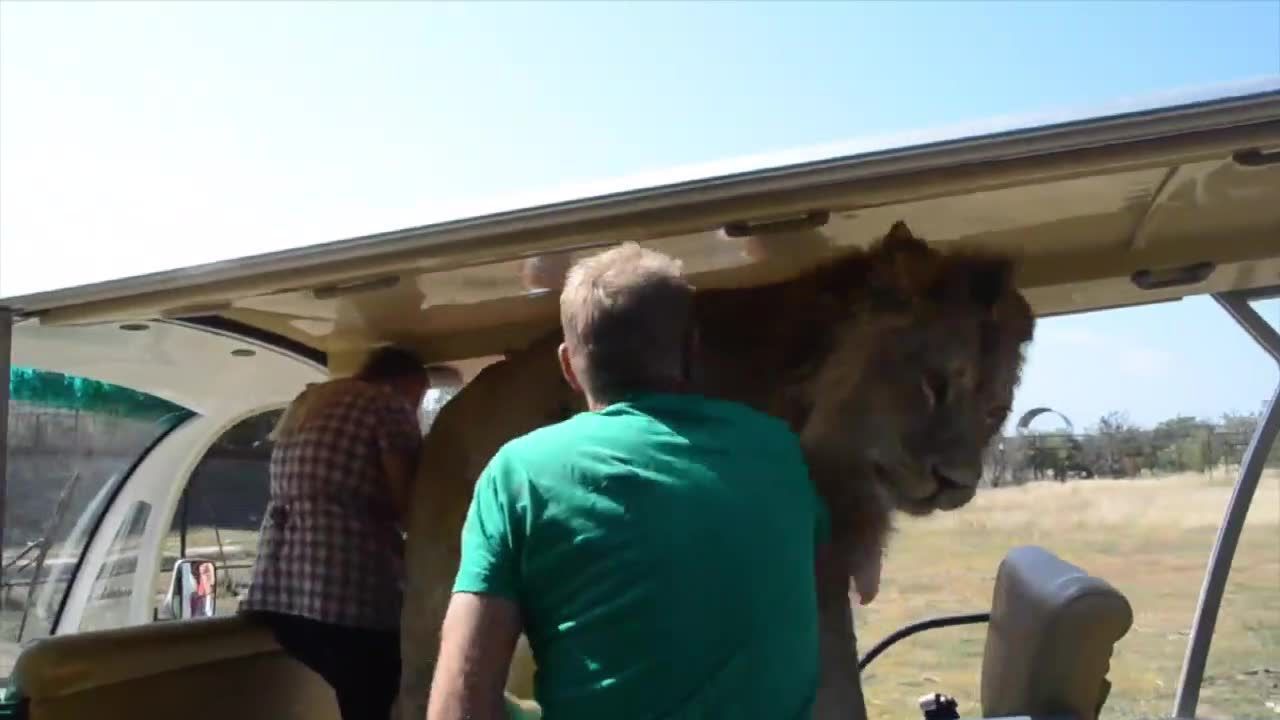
<point x="72" y="441"/>
<point x="220" y="514"/>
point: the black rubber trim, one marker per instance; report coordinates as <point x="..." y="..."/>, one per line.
<point x="933" y="623"/>
<point x="1194" y="274"/>
<point x="809" y="221"/>
<point x="1256" y="157"/>
<point x="266" y="337"/>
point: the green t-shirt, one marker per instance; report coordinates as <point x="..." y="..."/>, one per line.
<point x="662" y="553"/>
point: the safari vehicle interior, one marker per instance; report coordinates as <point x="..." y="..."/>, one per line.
<point x="1138" y="206"/>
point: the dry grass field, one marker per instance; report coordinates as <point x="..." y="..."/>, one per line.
<point x="1149" y="537"/>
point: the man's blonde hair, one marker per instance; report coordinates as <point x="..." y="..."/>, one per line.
<point x="627" y="315"/>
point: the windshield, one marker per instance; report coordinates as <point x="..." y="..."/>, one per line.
<point x="72" y="441"/>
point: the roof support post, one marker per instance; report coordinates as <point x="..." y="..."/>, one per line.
<point x="6" y="343"/>
<point x="1224" y="548"/>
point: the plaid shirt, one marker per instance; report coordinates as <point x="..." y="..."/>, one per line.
<point x="331" y="547"/>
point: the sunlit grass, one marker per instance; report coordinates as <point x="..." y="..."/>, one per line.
<point x="1150" y="538"/>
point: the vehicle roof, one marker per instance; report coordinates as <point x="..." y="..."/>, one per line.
<point x="1084" y="203"/>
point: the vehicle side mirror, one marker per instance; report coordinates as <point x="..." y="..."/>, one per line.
<point x="193" y="590"/>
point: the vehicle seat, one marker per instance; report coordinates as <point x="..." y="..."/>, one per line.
<point x="1050" y="640"/>
<point x="205" y="669"/>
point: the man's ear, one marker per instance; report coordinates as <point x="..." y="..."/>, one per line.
<point x="566" y="368"/>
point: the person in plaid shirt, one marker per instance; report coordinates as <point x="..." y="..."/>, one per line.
<point x="329" y="575"/>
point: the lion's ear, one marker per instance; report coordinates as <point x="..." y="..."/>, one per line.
<point x="901" y="239"/>
<point x="905" y="268"/>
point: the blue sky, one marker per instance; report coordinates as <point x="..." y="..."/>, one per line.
<point x="137" y="137"/>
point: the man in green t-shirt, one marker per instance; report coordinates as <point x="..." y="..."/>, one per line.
<point x="658" y="550"/>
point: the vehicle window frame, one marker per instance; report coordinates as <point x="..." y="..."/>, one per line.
<point x="179" y="520"/>
<point x="116" y="486"/>
<point x="50" y="592"/>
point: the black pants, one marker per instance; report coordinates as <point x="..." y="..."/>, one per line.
<point x="362" y="666"/>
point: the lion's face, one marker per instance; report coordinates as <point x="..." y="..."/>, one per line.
<point x="917" y="388"/>
<point x="926" y="424"/>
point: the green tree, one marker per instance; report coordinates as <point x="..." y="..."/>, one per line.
<point x="1182" y="444"/>
<point x="1121" y="445"/>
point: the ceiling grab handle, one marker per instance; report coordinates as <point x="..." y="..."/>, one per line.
<point x="1224" y="547"/>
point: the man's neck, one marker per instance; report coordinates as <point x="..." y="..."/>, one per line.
<point x="673" y="387"/>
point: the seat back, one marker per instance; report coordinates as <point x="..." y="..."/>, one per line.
<point x="209" y="669"/>
<point x="1049" y="644"/>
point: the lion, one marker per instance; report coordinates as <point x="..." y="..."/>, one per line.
<point x="895" y="366"/>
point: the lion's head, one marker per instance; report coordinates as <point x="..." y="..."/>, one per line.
<point x="925" y="353"/>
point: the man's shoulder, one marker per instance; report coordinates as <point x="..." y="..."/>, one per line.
<point x="754" y="427"/>
<point x="748" y="415"/>
<point x="548" y="442"/>
<point x="348" y="395"/>
<point x="378" y="394"/>
<point x="712" y="407"/>
<point x="555" y="433"/>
